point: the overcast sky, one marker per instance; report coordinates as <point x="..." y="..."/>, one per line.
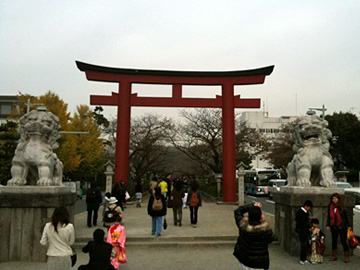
<point x="314" y="46"/>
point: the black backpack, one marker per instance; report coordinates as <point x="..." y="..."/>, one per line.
<point x="109" y="216"/>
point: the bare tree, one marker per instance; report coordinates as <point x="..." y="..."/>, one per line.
<point x="148" y="138"/>
<point x="200" y="138"/>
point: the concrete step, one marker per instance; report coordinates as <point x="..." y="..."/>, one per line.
<point x="169" y="241"/>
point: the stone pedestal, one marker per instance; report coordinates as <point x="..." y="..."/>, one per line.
<point x="290" y="199"/>
<point x="24" y="210"/>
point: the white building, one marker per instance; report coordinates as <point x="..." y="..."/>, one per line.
<point x="7" y="104"/>
<point x="269" y="126"/>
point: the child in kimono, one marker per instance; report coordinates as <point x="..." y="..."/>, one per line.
<point x="317" y="243"/>
<point x="117" y="237"/>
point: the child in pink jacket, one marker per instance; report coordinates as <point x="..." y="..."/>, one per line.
<point x="117" y="237"/>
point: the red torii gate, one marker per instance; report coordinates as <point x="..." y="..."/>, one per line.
<point x="227" y="101"/>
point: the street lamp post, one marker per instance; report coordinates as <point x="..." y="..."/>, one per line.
<point x="311" y="111"/>
<point x="28" y="105"/>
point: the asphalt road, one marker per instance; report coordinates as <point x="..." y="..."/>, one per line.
<point x="268" y="205"/>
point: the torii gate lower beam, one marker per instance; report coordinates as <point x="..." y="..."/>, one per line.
<point x="125" y="99"/>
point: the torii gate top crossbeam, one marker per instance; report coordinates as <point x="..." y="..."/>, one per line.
<point x="109" y="74"/>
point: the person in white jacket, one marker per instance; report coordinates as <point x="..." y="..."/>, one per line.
<point x="59" y="235"/>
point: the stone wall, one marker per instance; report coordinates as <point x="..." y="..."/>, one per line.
<point x="290" y="199"/>
<point x="24" y="210"/>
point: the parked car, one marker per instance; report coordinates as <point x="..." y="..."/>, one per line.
<point x="274" y="186"/>
<point x="356" y="219"/>
<point x="343" y="185"/>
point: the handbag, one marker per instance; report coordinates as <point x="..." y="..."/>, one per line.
<point x="320" y="248"/>
<point x="127" y="195"/>
<point x="353" y="242"/>
<point x="73" y="258"/>
<point x="165" y="223"/>
<point x="170" y="203"/>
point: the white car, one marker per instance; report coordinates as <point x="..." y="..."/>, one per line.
<point x="274" y="186"/>
<point x="356" y="220"/>
<point x="343" y="185"/>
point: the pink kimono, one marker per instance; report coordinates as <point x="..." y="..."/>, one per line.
<point x="117" y="236"/>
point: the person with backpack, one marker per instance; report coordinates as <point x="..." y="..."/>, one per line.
<point x="157" y="209"/>
<point x="111" y="212"/>
<point x="93" y="201"/>
<point x="194" y="201"/>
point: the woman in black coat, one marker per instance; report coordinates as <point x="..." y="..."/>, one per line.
<point x="157" y="215"/>
<point x="255" y="235"/>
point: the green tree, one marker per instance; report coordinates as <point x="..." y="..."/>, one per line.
<point x="8" y="143"/>
<point x="89" y="147"/>
<point x="345" y="146"/>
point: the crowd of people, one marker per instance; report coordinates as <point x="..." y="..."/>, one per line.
<point x="251" y="248"/>
<point x="255" y="234"/>
<point x="59" y="234"/>
<point x="312" y="243"/>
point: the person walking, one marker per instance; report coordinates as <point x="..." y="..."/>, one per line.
<point x="113" y="209"/>
<point x="117" y="237"/>
<point x="99" y="252"/>
<point x="107" y="197"/>
<point x="125" y="192"/>
<point x="152" y="185"/>
<point x="338" y="223"/>
<point x="59" y="235"/>
<point x="156" y="209"/>
<point x="302" y="218"/>
<point x="177" y="196"/>
<point x="194" y="201"/>
<point x="119" y="194"/>
<point x="255" y="235"/>
<point x="164" y="188"/>
<point x="138" y="194"/>
<point x="93" y="201"/>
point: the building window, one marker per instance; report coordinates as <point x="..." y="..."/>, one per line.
<point x="5" y="108"/>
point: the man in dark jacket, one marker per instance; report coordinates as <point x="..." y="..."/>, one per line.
<point x="302" y="218"/>
<point x="156" y="215"/>
<point x="93" y="201"/>
<point x="99" y="252"/>
<point x="255" y="235"/>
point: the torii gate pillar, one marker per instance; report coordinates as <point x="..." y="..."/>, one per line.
<point x="125" y="100"/>
<point x="123" y="133"/>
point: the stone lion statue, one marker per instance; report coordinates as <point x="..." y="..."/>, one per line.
<point x="34" y="162"/>
<point x="312" y="164"/>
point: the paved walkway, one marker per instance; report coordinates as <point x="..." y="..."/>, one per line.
<point x="173" y="250"/>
